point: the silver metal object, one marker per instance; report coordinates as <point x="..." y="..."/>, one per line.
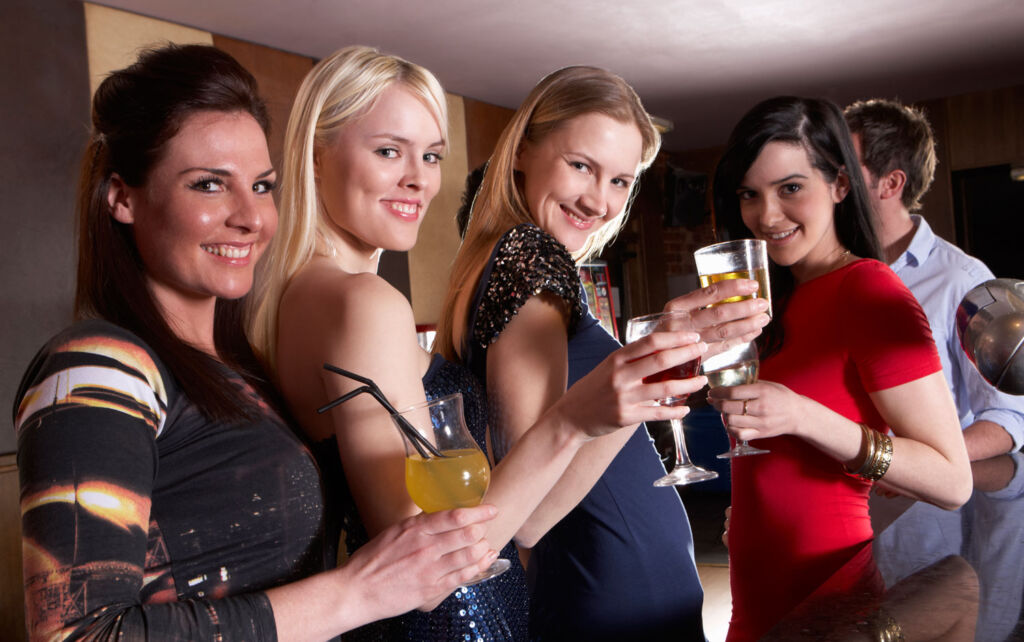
<point x="990" y="324"/>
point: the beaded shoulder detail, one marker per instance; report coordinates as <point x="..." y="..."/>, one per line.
<point x="527" y="261"/>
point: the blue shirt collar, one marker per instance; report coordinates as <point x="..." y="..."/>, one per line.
<point x="921" y="244"/>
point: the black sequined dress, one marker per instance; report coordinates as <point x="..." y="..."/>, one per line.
<point x="620" y="565"/>
<point x="495" y="610"/>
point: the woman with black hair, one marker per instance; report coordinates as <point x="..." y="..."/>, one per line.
<point x="848" y="359"/>
<point x="162" y="495"/>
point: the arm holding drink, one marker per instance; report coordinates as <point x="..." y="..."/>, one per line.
<point x="922" y="456"/>
<point x="920" y="412"/>
<point x="530" y="380"/>
<point x="877" y="323"/>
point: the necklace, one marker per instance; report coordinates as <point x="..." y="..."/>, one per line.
<point x="844" y="256"/>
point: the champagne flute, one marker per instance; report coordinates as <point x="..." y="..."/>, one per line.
<point x="734" y="367"/>
<point x="685" y="471"/>
<point x="739" y="259"/>
<point x="457" y="479"/>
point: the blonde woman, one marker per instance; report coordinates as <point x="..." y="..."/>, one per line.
<point x="363" y="147"/>
<point x="620" y="565"/>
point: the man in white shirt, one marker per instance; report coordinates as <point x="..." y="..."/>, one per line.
<point x="896" y="149"/>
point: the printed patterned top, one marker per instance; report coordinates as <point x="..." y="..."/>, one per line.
<point x="140" y="517"/>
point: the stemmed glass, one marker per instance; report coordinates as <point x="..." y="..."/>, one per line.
<point x="685" y="471"/>
<point x="459" y="477"/>
<point x="734" y="367"/>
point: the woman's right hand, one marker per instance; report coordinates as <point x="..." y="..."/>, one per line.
<point x="613" y="395"/>
<point x="421" y="560"/>
<point x="413" y="563"/>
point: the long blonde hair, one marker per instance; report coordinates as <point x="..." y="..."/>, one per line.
<point x="338" y="90"/>
<point x="499" y="206"/>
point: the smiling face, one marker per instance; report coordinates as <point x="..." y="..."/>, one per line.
<point x="788" y="203"/>
<point x="578" y="177"/>
<point x="205" y="213"/>
<point x="380" y="172"/>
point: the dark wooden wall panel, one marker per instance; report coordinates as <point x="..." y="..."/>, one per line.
<point x="484" y="124"/>
<point x="986" y="128"/>
<point x="12" y="609"/>
<point x="937" y="204"/>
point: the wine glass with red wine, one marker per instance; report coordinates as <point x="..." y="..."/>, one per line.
<point x="685" y="471"/>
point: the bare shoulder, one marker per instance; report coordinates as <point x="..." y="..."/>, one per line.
<point x="356" y="321"/>
<point x="324" y="292"/>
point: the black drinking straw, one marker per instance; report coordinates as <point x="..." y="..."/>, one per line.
<point x="419" y="442"/>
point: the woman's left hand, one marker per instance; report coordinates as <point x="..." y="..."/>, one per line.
<point x="760" y="410"/>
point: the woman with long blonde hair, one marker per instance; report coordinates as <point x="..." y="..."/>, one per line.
<point x="557" y="188"/>
<point x="362" y="164"/>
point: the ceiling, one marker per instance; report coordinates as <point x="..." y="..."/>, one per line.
<point x="700" y="64"/>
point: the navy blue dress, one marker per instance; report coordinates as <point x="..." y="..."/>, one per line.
<point x="492" y="611"/>
<point x="620" y="565"/>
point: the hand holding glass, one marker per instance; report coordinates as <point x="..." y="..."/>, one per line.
<point x="457" y="479"/>
<point x="734" y="367"/>
<point x="740" y="259"/>
<point x="684" y="472"/>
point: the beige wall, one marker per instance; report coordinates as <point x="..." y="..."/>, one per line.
<point x="430" y="261"/>
<point x="114" y="38"/>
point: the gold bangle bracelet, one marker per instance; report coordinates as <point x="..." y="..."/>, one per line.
<point x="870" y="451"/>
<point x="884" y="458"/>
<point x="878" y="456"/>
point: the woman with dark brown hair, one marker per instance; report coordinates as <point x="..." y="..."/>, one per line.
<point x="162" y="494"/>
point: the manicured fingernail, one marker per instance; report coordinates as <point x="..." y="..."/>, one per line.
<point x="703" y="347"/>
<point x="749" y="285"/>
<point x="761" y="304"/>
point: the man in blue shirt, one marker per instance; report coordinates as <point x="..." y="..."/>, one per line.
<point x="896" y="149"/>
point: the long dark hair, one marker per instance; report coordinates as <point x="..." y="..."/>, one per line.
<point x="818" y="126"/>
<point x="135" y="112"/>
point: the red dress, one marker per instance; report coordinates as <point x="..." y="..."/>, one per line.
<point x="797" y="516"/>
